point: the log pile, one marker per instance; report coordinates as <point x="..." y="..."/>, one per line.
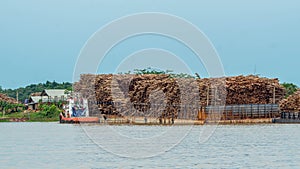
<point x="239" y="90"/>
<point x="212" y="91"/>
<point x="292" y="103"/>
<point x="5" y="98"/>
<point x="164" y="96"/>
<point x="253" y="90"/>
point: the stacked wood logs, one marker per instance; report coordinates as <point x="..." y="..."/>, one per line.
<point x="5" y="98"/>
<point x="165" y="96"/>
<point x="253" y="90"/>
<point x="240" y="90"/>
<point x="292" y="103"/>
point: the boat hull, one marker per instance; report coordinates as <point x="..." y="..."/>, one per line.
<point x="286" y="121"/>
<point x="79" y="120"/>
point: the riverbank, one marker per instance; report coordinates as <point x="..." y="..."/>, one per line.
<point x="27" y="117"/>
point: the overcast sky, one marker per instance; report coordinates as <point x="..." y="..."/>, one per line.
<point x="41" y="40"/>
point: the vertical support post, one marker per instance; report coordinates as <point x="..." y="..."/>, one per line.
<point x="251" y="111"/>
<point x="207" y="96"/>
<point x="240" y="112"/>
<point x="226" y="116"/>
<point x="274" y="95"/>
<point x="215" y="96"/>
<point x="265" y="111"/>
<point x="272" y="113"/>
<point x="258" y="111"/>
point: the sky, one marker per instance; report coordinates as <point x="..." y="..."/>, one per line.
<point x="41" y="40"/>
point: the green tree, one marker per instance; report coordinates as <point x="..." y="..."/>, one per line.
<point x="150" y="70"/>
<point x="290" y="88"/>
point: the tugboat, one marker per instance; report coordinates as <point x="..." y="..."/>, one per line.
<point x="78" y="107"/>
<point x="63" y="119"/>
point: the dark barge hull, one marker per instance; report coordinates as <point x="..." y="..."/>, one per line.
<point x="286" y="121"/>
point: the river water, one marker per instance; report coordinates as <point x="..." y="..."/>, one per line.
<point x="53" y="145"/>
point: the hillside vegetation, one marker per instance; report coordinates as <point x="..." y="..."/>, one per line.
<point x="24" y="92"/>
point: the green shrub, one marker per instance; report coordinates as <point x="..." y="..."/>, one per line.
<point x="49" y="111"/>
<point x="290" y="88"/>
<point x="11" y="108"/>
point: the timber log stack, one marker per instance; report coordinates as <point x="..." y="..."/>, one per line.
<point x="253" y="90"/>
<point x="123" y="94"/>
<point x="5" y="98"/>
<point x="292" y="103"/>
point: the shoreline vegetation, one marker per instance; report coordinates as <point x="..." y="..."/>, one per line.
<point x="48" y="113"/>
<point x="11" y="109"/>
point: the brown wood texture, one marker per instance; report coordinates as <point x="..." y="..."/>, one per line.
<point x="125" y="94"/>
<point x="7" y="99"/>
<point x="292" y="103"/>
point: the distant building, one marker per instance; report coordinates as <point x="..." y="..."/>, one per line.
<point x="34" y="101"/>
<point x="55" y="95"/>
<point x="46" y="96"/>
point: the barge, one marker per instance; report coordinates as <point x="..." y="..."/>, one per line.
<point x="288" y="118"/>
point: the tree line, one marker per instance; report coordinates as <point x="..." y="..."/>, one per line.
<point x="24" y="92"/>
